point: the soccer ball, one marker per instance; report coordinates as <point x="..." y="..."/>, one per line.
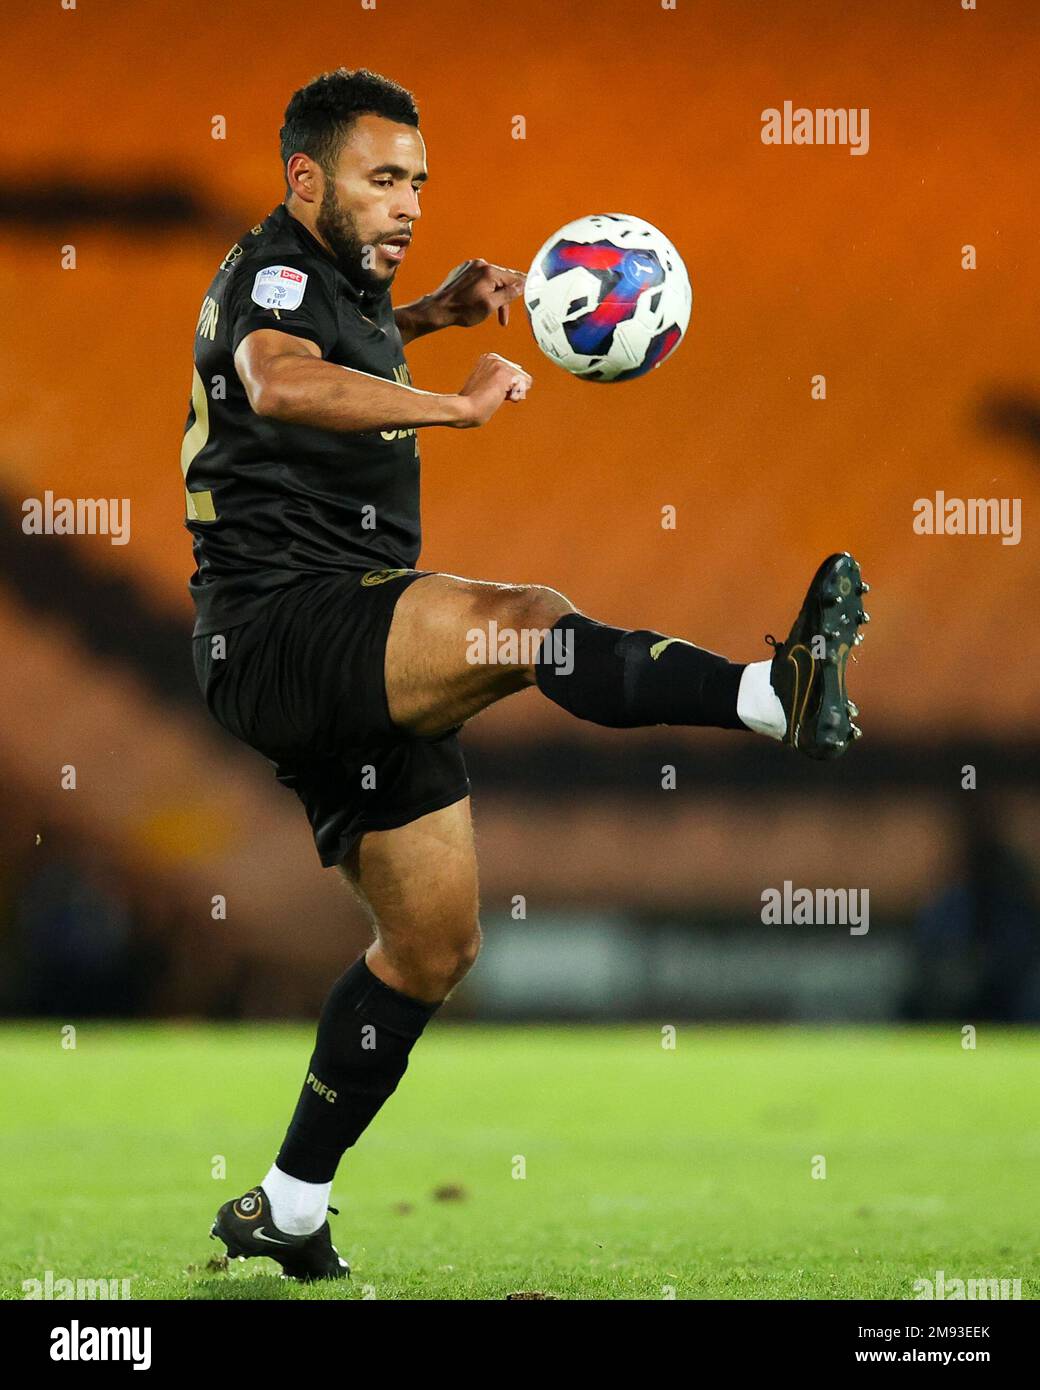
<point x="608" y="297"/>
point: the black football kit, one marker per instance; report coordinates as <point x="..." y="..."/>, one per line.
<point x="304" y="539"/>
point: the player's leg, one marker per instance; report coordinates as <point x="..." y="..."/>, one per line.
<point x="457" y="645"/>
<point x="418" y="884"/>
<point x="444" y="661"/>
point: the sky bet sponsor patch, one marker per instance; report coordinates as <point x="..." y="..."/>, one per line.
<point x="279" y="287"/>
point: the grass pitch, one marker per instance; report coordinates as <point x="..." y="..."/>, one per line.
<point x="648" y="1173"/>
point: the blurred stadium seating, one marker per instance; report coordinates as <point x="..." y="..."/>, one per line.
<point x="803" y="261"/>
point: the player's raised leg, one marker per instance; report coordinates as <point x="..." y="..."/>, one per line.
<point x="458" y="645"/>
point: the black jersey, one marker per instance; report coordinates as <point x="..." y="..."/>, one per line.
<point x="270" y="503"/>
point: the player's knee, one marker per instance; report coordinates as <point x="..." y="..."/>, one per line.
<point x="465" y="953"/>
<point x="454" y="958"/>
<point x="432" y="968"/>
<point x="544" y="606"/>
<point x="530" y="610"/>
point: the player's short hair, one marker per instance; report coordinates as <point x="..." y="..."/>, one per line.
<point x="319" y="116"/>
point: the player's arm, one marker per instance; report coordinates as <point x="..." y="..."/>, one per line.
<point x="286" y="379"/>
<point x="471" y="292"/>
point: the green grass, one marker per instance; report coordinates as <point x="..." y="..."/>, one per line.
<point x="645" y="1169"/>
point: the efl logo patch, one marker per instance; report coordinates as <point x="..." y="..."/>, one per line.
<point x="279" y="287"/>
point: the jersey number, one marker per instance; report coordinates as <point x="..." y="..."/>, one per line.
<point x="199" y="504"/>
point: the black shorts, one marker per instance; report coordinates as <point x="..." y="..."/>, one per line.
<point x="302" y="683"/>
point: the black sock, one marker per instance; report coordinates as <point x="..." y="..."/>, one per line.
<point x="617" y="679"/>
<point x="365" y="1034"/>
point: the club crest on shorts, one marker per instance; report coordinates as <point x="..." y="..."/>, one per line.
<point x="380" y="576"/>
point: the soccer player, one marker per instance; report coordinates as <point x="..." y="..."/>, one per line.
<point x="319" y="643"/>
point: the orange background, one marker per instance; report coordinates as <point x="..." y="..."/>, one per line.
<point x="803" y="260"/>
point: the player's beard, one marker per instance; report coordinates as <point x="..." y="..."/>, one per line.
<point x="340" y="231"/>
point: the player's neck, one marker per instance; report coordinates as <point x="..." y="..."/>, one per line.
<point x="307" y="217"/>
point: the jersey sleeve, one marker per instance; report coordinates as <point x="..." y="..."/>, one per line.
<point x="288" y="298"/>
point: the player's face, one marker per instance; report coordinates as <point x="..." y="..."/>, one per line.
<point x="369" y="206"/>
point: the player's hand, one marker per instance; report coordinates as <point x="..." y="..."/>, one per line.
<point x="476" y="289"/>
<point x="492" y="381"/>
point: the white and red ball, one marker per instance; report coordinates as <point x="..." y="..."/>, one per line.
<point x="608" y="297"/>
